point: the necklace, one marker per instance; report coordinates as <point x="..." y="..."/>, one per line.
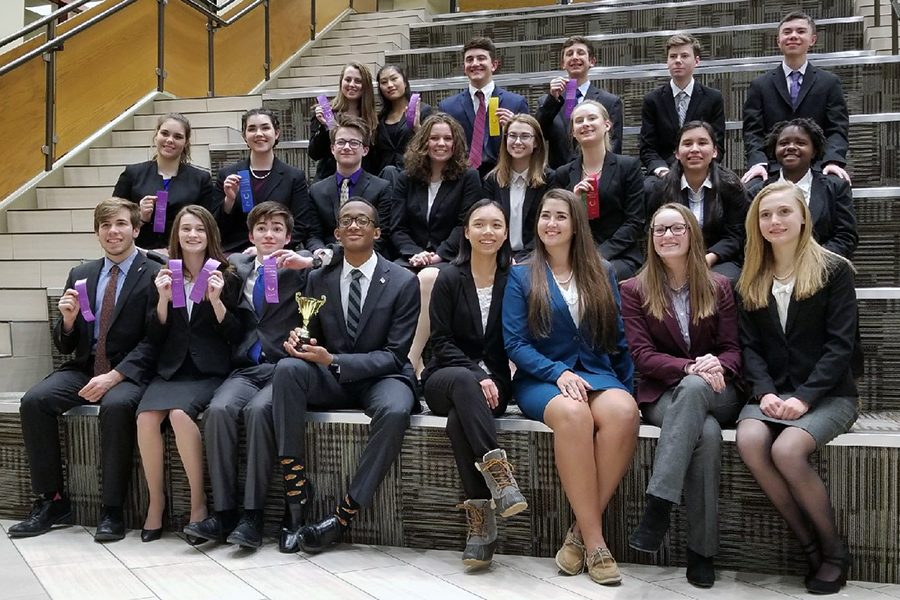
<point x="567" y="280"/>
<point x="785" y="277"/>
<point x="255" y="176"/>
<point x="679" y="288"/>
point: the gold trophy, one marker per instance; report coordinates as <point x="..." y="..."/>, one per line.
<point x="307" y="307"/>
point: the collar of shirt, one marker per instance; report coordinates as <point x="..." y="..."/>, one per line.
<point x="787" y="70"/>
<point x="689" y="88"/>
<point x="686" y="186"/>
<point x="367" y="268"/>
<point x="583" y="88"/>
<point x="488" y="91"/>
<point x="124" y="266"/>
<point x="354" y="177"/>
<point x="805" y="183"/>
<point x="517" y="178"/>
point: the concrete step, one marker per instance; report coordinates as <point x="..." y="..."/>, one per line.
<point x="35" y="274"/>
<point x="23" y="304"/>
<point x="387" y="15"/>
<point x="198" y="119"/>
<point x="199" y="105"/>
<point x="199" y="136"/>
<point x="50" y="220"/>
<point x="72" y="197"/>
<point x="367" y="58"/>
<point x="329" y="71"/>
<point x="91" y="175"/>
<point x="18" y="374"/>
<point x="49" y="246"/>
<point x="103" y="156"/>
<point x="399" y="38"/>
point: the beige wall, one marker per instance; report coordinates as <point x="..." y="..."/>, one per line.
<point x="12" y="18"/>
<point x="435" y="6"/>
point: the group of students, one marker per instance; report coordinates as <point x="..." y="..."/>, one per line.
<point x="498" y="260"/>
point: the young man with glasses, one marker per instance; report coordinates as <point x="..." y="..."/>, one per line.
<point x="348" y="147"/>
<point x="356" y="358"/>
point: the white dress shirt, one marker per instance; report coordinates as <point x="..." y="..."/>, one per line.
<point x="695" y="199"/>
<point x="487" y="90"/>
<point x="368" y="271"/>
<point x="805" y="184"/>
<point x="787" y="73"/>
<point x="517" y="187"/>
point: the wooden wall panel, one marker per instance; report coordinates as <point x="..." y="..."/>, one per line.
<point x="186" y="60"/>
<point x="103" y="72"/>
<point x="365" y="6"/>
<point x="326" y="12"/>
<point x="289" y="21"/>
<point x="240" y="54"/>
<point x="22" y="112"/>
<point x="472" y="5"/>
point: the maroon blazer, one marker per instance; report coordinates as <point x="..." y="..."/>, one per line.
<point x="658" y="349"/>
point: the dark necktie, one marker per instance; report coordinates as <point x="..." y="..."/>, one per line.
<point x="477" y="148"/>
<point x="794" y="89"/>
<point x="259" y="294"/>
<point x="354" y="302"/>
<point x="101" y="360"/>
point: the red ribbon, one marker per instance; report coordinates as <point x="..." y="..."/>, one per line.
<point x="592" y="199"/>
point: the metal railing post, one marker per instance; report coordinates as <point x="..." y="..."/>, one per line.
<point x="268" y="62"/>
<point x="312" y="19"/>
<point x="895" y="20"/>
<point x="161" y="46"/>
<point x="49" y="147"/>
<point x="211" y="54"/>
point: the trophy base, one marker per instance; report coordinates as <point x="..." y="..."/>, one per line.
<point x="304" y="339"/>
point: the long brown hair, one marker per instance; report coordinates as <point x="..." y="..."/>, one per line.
<point x="185" y="157"/>
<point x="503" y="170"/>
<point x="812" y="262"/>
<point x="367" y="100"/>
<point x="595" y="296"/>
<point x="653" y="280"/>
<point x="213" y="239"/>
<point x="418" y="163"/>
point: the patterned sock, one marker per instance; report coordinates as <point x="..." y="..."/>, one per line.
<point x="294" y="478"/>
<point x="346" y="511"/>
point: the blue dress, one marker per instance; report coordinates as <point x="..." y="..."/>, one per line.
<point x="540" y="361"/>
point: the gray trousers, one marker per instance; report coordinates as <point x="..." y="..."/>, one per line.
<point x="689" y="454"/>
<point x="246" y="394"/>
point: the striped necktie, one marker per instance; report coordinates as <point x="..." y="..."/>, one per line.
<point x="354" y="302"/>
<point x="477" y="149"/>
<point x="681" y="103"/>
<point x="101" y="360"/>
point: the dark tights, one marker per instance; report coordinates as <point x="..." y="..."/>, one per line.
<point x="779" y="461"/>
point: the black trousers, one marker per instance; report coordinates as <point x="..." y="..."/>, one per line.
<point x="299" y="385"/>
<point x="40" y="409"/>
<point x="455" y="392"/>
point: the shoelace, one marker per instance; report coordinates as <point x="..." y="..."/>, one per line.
<point x="474" y="518"/>
<point x="601" y="555"/>
<point x="501" y="471"/>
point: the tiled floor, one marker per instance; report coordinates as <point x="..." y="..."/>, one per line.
<point x="67" y="565"/>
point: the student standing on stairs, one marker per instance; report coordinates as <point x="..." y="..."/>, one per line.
<point x="170" y="171"/>
<point x="394" y="126"/>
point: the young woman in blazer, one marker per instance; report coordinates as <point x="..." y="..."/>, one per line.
<point x="195" y="346"/>
<point x="467" y="378"/>
<point x="168" y="170"/>
<point x="798" y="319"/>
<point x="519" y="180"/>
<point x="270" y="179"/>
<point x="356" y="98"/>
<point x="796" y="145"/>
<point x="394" y="132"/>
<point x="681" y="325"/>
<point x="431" y="199"/>
<point x="714" y="194"/>
<point x="620" y="223"/>
<point x="563" y="331"/>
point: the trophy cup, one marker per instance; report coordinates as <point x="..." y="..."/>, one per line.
<point x="307" y="307"/>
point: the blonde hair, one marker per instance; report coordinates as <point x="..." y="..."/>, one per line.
<point x="653" y="279"/>
<point x="812" y="262"/>
<point x="366" y="102"/>
<point x="503" y="170"/>
<point x="604" y="114"/>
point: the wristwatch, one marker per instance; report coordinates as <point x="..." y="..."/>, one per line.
<point x="335" y="369"/>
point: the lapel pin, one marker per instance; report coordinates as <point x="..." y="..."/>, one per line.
<point x="381" y="280"/>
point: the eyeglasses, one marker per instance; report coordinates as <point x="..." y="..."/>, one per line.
<point x="677" y="229"/>
<point x="354" y="144"/>
<point x="515" y="137"/>
<point x="360" y="220"/>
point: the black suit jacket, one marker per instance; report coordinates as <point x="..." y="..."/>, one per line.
<point x="387" y="323"/>
<point x="128" y="347"/>
<point x="621" y="221"/>
<point x="277" y="320"/>
<point x="659" y="122"/>
<point x="200" y="335"/>
<point x="812" y="357"/>
<point x="285" y="184"/>
<point x="190" y="186"/>
<point x="412" y="232"/>
<point x="388" y="151"/>
<point x="831" y="206"/>
<point x="558" y="130"/>
<point x="533" y="197"/>
<point x="457" y="336"/>
<point x="325" y="198"/>
<point x="821" y="99"/>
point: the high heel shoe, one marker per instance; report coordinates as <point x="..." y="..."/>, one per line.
<point x="813" y="560"/>
<point x="151" y="535"/>
<point x="820" y="586"/>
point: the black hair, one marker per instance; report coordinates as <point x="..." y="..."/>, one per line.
<point x="362" y="200"/>
<point x="812" y="129"/>
<point x="385" y="103"/>
<point x="504" y="254"/>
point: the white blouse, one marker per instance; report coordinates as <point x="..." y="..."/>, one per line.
<point x="782" y="293"/>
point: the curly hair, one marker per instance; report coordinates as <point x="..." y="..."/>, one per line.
<point x="417" y="161"/>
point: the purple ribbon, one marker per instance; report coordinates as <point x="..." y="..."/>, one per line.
<point x="270" y="277"/>
<point x="159" y="211"/>
<point x="245" y="191"/>
<point x="411" y="110"/>
<point x="571" y="89"/>
<point x="84" y="300"/>
<point x="202" y="281"/>
<point x="326" y="111"/>
<point x="175" y="265"/>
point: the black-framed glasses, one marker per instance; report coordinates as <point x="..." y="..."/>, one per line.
<point x="678" y="229"/>
<point x="354" y="144"/>
<point x="515" y="137"/>
<point x="360" y="220"/>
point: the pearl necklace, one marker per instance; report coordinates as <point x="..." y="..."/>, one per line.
<point x="255" y="176"/>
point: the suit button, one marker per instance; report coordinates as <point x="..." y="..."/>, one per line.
<point x="576" y="338"/>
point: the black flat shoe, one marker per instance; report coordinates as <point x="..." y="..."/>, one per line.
<point x="248" y="533"/>
<point x="213" y="528"/>
<point x="295" y="515"/>
<point x="322" y="535"/>
<point x="151" y="535"/>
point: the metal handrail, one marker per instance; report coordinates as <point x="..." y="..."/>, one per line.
<point x="43" y="21"/>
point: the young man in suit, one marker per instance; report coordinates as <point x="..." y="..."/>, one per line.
<point x="113" y="362"/>
<point x="349" y="147"/>
<point x="577" y="58"/>
<point x="675" y="103"/>
<point x="357" y="358"/>
<point x="795" y="89"/>
<point x="247" y="393"/>
<point x="470" y="107"/>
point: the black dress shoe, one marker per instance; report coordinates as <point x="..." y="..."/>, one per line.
<point x="324" y="534"/>
<point x="701" y="570"/>
<point x="248" y="533"/>
<point x="44" y="515"/>
<point x="151" y="535"/>
<point x="831" y="586"/>
<point x="111" y="528"/>
<point x="294" y="519"/>
<point x="648" y="536"/>
<point x="213" y="528"/>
